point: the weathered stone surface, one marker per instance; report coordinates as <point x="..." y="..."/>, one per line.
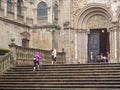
<point x="82" y="16"/>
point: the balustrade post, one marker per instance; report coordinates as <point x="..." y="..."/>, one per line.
<point x="12" y="47"/>
<point x="63" y="56"/>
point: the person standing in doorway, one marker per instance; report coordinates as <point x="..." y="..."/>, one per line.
<point x="53" y="56"/>
<point x="36" y="60"/>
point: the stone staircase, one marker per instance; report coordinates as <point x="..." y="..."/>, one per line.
<point x="62" y="77"/>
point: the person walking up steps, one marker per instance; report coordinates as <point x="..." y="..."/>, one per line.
<point x="36" y="61"/>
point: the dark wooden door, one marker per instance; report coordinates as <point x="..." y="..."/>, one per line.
<point x="93" y="45"/>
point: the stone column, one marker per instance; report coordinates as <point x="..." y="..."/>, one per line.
<point x="118" y="44"/>
<point x="69" y="48"/>
<point x="24" y="8"/>
<point x="113" y="45"/>
<point x="15" y="10"/>
<point x="76" y="47"/>
<point x="50" y="15"/>
<point x="82" y="46"/>
<point x="35" y="16"/>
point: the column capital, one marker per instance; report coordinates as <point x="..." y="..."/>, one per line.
<point x="81" y="30"/>
<point x="114" y="28"/>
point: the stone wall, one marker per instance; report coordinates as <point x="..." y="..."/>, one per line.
<point x="8" y="31"/>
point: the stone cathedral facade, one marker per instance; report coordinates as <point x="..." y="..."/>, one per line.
<point x="82" y="28"/>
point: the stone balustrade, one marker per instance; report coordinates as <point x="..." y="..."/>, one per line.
<point x="20" y="55"/>
<point x="6" y="62"/>
<point x="26" y="55"/>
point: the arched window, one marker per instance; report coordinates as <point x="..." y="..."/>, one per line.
<point x="9" y="5"/>
<point x="42" y="9"/>
<point x="55" y="10"/>
<point x="19" y="2"/>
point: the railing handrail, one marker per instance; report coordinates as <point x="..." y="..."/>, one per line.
<point x="6" y="61"/>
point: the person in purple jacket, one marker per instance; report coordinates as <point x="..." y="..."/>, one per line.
<point x="36" y="60"/>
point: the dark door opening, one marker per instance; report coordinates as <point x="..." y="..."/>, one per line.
<point x="25" y="43"/>
<point x="104" y="41"/>
<point x="98" y="42"/>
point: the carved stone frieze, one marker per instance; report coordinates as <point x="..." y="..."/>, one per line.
<point x="25" y="35"/>
<point x="77" y="4"/>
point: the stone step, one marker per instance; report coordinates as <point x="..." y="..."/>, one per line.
<point x="62" y="77"/>
<point x="58" y="80"/>
<point x="68" y="68"/>
<point x="62" y="83"/>
<point x="60" y="74"/>
<point x="61" y="86"/>
<point x="75" y="68"/>
<point x="22" y="88"/>
<point x="55" y="71"/>
<point x="74" y="65"/>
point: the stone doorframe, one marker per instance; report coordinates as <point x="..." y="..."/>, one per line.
<point x="25" y="39"/>
<point x="82" y="18"/>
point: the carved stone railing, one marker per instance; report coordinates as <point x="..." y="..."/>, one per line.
<point x="6" y="61"/>
<point x="25" y="55"/>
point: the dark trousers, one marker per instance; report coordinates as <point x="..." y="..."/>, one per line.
<point x="36" y="63"/>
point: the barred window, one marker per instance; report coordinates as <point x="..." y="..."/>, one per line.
<point x="42" y="9"/>
<point x="9" y="5"/>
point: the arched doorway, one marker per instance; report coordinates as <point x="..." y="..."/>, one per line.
<point x="98" y="42"/>
<point x="91" y="20"/>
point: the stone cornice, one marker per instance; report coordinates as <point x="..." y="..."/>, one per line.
<point x="77" y="30"/>
<point x="69" y="28"/>
<point x="45" y="26"/>
<point x="15" y="22"/>
<point x="114" y="28"/>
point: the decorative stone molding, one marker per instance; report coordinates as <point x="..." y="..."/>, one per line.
<point x="26" y="35"/>
<point x="82" y="16"/>
<point x="118" y="12"/>
<point x="66" y="24"/>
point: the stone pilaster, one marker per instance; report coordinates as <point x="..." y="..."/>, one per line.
<point x="67" y="45"/>
<point x="82" y="46"/>
<point x="50" y="15"/>
<point x="24" y="8"/>
<point x="5" y="7"/>
<point x="15" y="9"/>
<point x="35" y="16"/>
<point x="2" y="3"/>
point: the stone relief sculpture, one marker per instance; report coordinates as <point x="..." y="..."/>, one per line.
<point x="97" y="21"/>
